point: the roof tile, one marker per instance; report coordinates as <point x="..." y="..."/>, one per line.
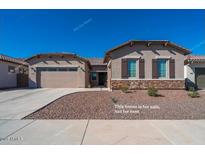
<point x="12" y="60"/>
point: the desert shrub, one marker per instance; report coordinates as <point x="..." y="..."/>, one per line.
<point x="124" y="88"/>
<point x="193" y="94"/>
<point x="114" y="100"/>
<point x="191" y="89"/>
<point x="152" y="91"/>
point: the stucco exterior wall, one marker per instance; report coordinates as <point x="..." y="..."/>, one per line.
<point x="189" y="71"/>
<point x="109" y="74"/>
<point x="147" y="53"/>
<point x="81" y="75"/>
<point x="87" y="76"/>
<point x="7" y="80"/>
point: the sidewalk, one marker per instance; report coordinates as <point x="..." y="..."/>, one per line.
<point x="102" y="132"/>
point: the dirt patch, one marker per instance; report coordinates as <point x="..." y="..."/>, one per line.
<point x="172" y="104"/>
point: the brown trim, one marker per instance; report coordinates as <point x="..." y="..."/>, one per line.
<point x="124" y="71"/>
<point x="154" y="69"/>
<point x="172" y="68"/>
<point x="141" y="68"/>
<point x="16" y="63"/>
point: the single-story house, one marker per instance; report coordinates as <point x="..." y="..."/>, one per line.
<point x="136" y="64"/>
<point x="194" y="71"/>
<point x="141" y="64"/>
<point x="12" y="71"/>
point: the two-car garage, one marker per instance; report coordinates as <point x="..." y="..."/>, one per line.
<point x="57" y="77"/>
<point x="58" y="70"/>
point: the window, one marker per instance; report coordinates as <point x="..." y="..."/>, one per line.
<point x="94" y="76"/>
<point x="41" y="69"/>
<point x="52" y="69"/>
<point x="11" y="69"/>
<point x="73" y="69"/>
<point x="131" y="68"/>
<point x="162" y="69"/>
<point x="62" y="69"/>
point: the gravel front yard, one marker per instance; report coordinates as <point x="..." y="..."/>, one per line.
<point x="173" y="104"/>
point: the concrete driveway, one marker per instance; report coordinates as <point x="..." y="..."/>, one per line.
<point x="102" y="132"/>
<point x="16" y="104"/>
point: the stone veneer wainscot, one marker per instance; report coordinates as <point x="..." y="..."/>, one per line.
<point x="144" y="84"/>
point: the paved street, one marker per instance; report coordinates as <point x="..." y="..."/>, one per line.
<point x="102" y="132"/>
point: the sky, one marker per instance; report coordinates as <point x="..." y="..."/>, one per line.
<point x="90" y="33"/>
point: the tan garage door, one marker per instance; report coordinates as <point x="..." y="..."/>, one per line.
<point x="200" y="77"/>
<point x="57" y="79"/>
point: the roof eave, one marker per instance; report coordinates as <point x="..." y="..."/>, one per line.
<point x="60" y="54"/>
<point x="165" y="42"/>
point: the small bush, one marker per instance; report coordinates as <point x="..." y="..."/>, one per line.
<point x="124" y="88"/>
<point x="193" y="94"/>
<point x="152" y="91"/>
<point x="192" y="89"/>
<point x="114" y="100"/>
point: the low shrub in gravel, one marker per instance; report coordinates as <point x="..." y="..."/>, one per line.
<point x="193" y="94"/>
<point x="124" y="88"/>
<point x="152" y="91"/>
<point x="114" y="100"/>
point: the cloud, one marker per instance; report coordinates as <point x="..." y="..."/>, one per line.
<point x="198" y="45"/>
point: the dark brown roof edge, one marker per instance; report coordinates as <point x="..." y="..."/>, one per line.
<point x="58" y="54"/>
<point x="166" y="42"/>
<point x="9" y="59"/>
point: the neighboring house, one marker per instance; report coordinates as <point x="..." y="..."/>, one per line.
<point x="141" y="64"/>
<point x="58" y="70"/>
<point x="98" y="72"/>
<point x="194" y="71"/>
<point x="11" y="70"/>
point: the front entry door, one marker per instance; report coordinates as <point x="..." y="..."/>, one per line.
<point x="102" y="78"/>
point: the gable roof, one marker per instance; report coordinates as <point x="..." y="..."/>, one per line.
<point x="148" y="42"/>
<point x="96" y="61"/>
<point x="194" y="59"/>
<point x="12" y="60"/>
<point x="58" y="54"/>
